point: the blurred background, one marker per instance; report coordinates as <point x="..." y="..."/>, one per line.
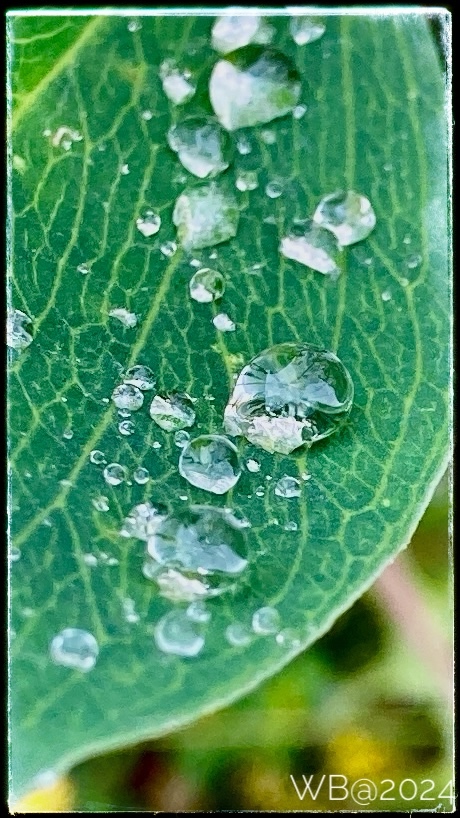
<point x="368" y="700"/>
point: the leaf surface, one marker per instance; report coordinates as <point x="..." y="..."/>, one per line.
<point x="376" y="123"/>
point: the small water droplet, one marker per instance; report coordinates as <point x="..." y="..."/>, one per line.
<point x="348" y="215"/>
<point x="147" y="115"/>
<point x="386" y="502"/>
<point x="407" y="239"/>
<point x="289" y="395"/>
<point x="181" y="438"/>
<point x="404" y="282"/>
<point x="142" y="521"/>
<point x="266" y="621"/>
<point x="129" y="610"/>
<point x="238" y="634"/>
<point x="198" y="612"/>
<point x="173" y="412"/>
<point x="124" y="170"/>
<point x="260" y="491"/>
<point x="74" y="648"/>
<point x="141" y="476"/>
<point x="90" y="559"/>
<point x="288" y="487"/>
<point x="14" y="554"/>
<point x="168" y="248"/>
<point x="84" y="269"/>
<point x="128" y="397"/>
<point x="414" y="261"/>
<point x="206" y="285"/>
<point x="126" y="427"/>
<point x="177" y="82"/>
<point x="247" y="180"/>
<point x="288" y="638"/>
<point x="128" y="319"/>
<point x="223" y="323"/>
<point x="141" y="377"/>
<point x="134" y="25"/>
<point x="97" y="457"/>
<point x="210" y="462"/>
<point x="313" y="246"/>
<point x="101" y="503"/>
<point x="124" y="413"/>
<point x="175" y="633"/>
<point x="64" y="137"/>
<point x="305" y="476"/>
<point x="299" y="111"/>
<point x="274" y="189"/>
<point x="67" y="434"/>
<point x="243" y="145"/>
<point x="202" y="146"/>
<point x="268" y="137"/>
<point x="386" y="295"/>
<point x="148" y="222"/>
<point x="230" y="32"/>
<point x="114" y="474"/>
<point x="156" y="444"/>
<point x="17" y="336"/>
<point x="252" y="86"/>
<point x="306" y="29"/>
<point x="253" y="465"/>
<point x="291" y="525"/>
<point x="206" y="215"/>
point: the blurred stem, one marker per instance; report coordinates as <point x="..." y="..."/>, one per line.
<point x="397" y="592"/>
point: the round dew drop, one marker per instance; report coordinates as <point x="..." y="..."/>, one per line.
<point x="202" y="146"/>
<point x="181" y="438"/>
<point x="148" y="223"/>
<point x="17" y="336"/>
<point x="127" y="397"/>
<point x="210" y="462"/>
<point x="141" y="476"/>
<point x="238" y="634"/>
<point x="198" y="612"/>
<point x="306" y="29"/>
<point x="126" y="428"/>
<point x="141" y="377"/>
<point x="172" y="413"/>
<point x="175" y="633"/>
<point x="97" y="457"/>
<point x="312" y="246"/>
<point x="288" y="487"/>
<point x="206" y="215"/>
<point x="75" y="648"/>
<point x="346" y="214"/>
<point x="114" y="474"/>
<point x="266" y="621"/>
<point x="206" y="285"/>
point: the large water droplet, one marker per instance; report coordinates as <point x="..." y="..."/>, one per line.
<point x="288" y="487"/>
<point x="148" y="223"/>
<point x="141" y="377"/>
<point x="178" y="83"/>
<point x="313" y="246"/>
<point x="205" y="215"/>
<point x="253" y="86"/>
<point x="306" y="29"/>
<point x="207" y="285"/>
<point x="288" y="395"/>
<point x="175" y="633"/>
<point x="17" y="337"/>
<point x="127" y="397"/>
<point x="234" y="31"/>
<point x="202" y="145"/>
<point x="210" y="462"/>
<point x="114" y="474"/>
<point x="75" y="648"/>
<point x="204" y="546"/>
<point x="142" y="521"/>
<point x="173" y="412"/>
<point x="266" y="621"/>
<point x="347" y="214"/>
<point x="141" y="475"/>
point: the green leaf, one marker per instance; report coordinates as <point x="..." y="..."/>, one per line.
<point x="375" y="122"/>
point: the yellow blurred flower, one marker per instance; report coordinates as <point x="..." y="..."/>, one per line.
<point x="359" y="754"/>
<point x="57" y="798"/>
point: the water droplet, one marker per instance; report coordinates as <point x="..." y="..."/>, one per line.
<point x="205" y="215"/>
<point x="64" y="137"/>
<point x="181" y="438"/>
<point x="230" y="32"/>
<point x="407" y="239"/>
<point x="97" y="457"/>
<point x="84" y="269"/>
<point x="404" y="282"/>
<point x="101" y="503"/>
<point x="288" y="638"/>
<point x="173" y="412"/>
<point x="177" y="82"/>
<point x="126" y="427"/>
<point x="177" y="634"/>
<point x="238" y="634"/>
<point x="386" y="502"/>
<point x="129" y="610"/>
<point x="114" y="474"/>
<point x="288" y="395"/>
<point x="348" y="215"/>
<point x="291" y="525"/>
<point x="141" y="476"/>
<point x="19" y="163"/>
<point x="253" y="86"/>
<point x="247" y="180"/>
<point x="210" y="462"/>
<point x="388" y="166"/>
<point x="306" y="29"/>
<point x="74" y="648"/>
<point x="305" y="476"/>
<point x="198" y="612"/>
<point x="223" y="323"/>
<point x="313" y="246"/>
<point x="266" y="621"/>
<point x="253" y="465"/>
<point x="168" y="248"/>
<point x="299" y="111"/>
<point x="17" y="337"/>
<point x="202" y="544"/>
<point x="207" y="285"/>
<point x="67" y="434"/>
<point x="260" y="491"/>
<point x="90" y="559"/>
<point x="288" y="487"/>
<point x="148" y="223"/>
<point x="128" y="319"/>
<point x="142" y="521"/>
<point x="414" y="261"/>
<point x="14" y="554"/>
<point x="202" y="145"/>
<point x="156" y="444"/>
<point x="141" y="377"/>
<point x="147" y="115"/>
<point x="134" y="25"/>
<point x="268" y="137"/>
<point x="243" y="145"/>
<point x="274" y="189"/>
<point x="124" y="413"/>
<point x="124" y="170"/>
<point x="129" y="397"/>
<point x="386" y="295"/>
